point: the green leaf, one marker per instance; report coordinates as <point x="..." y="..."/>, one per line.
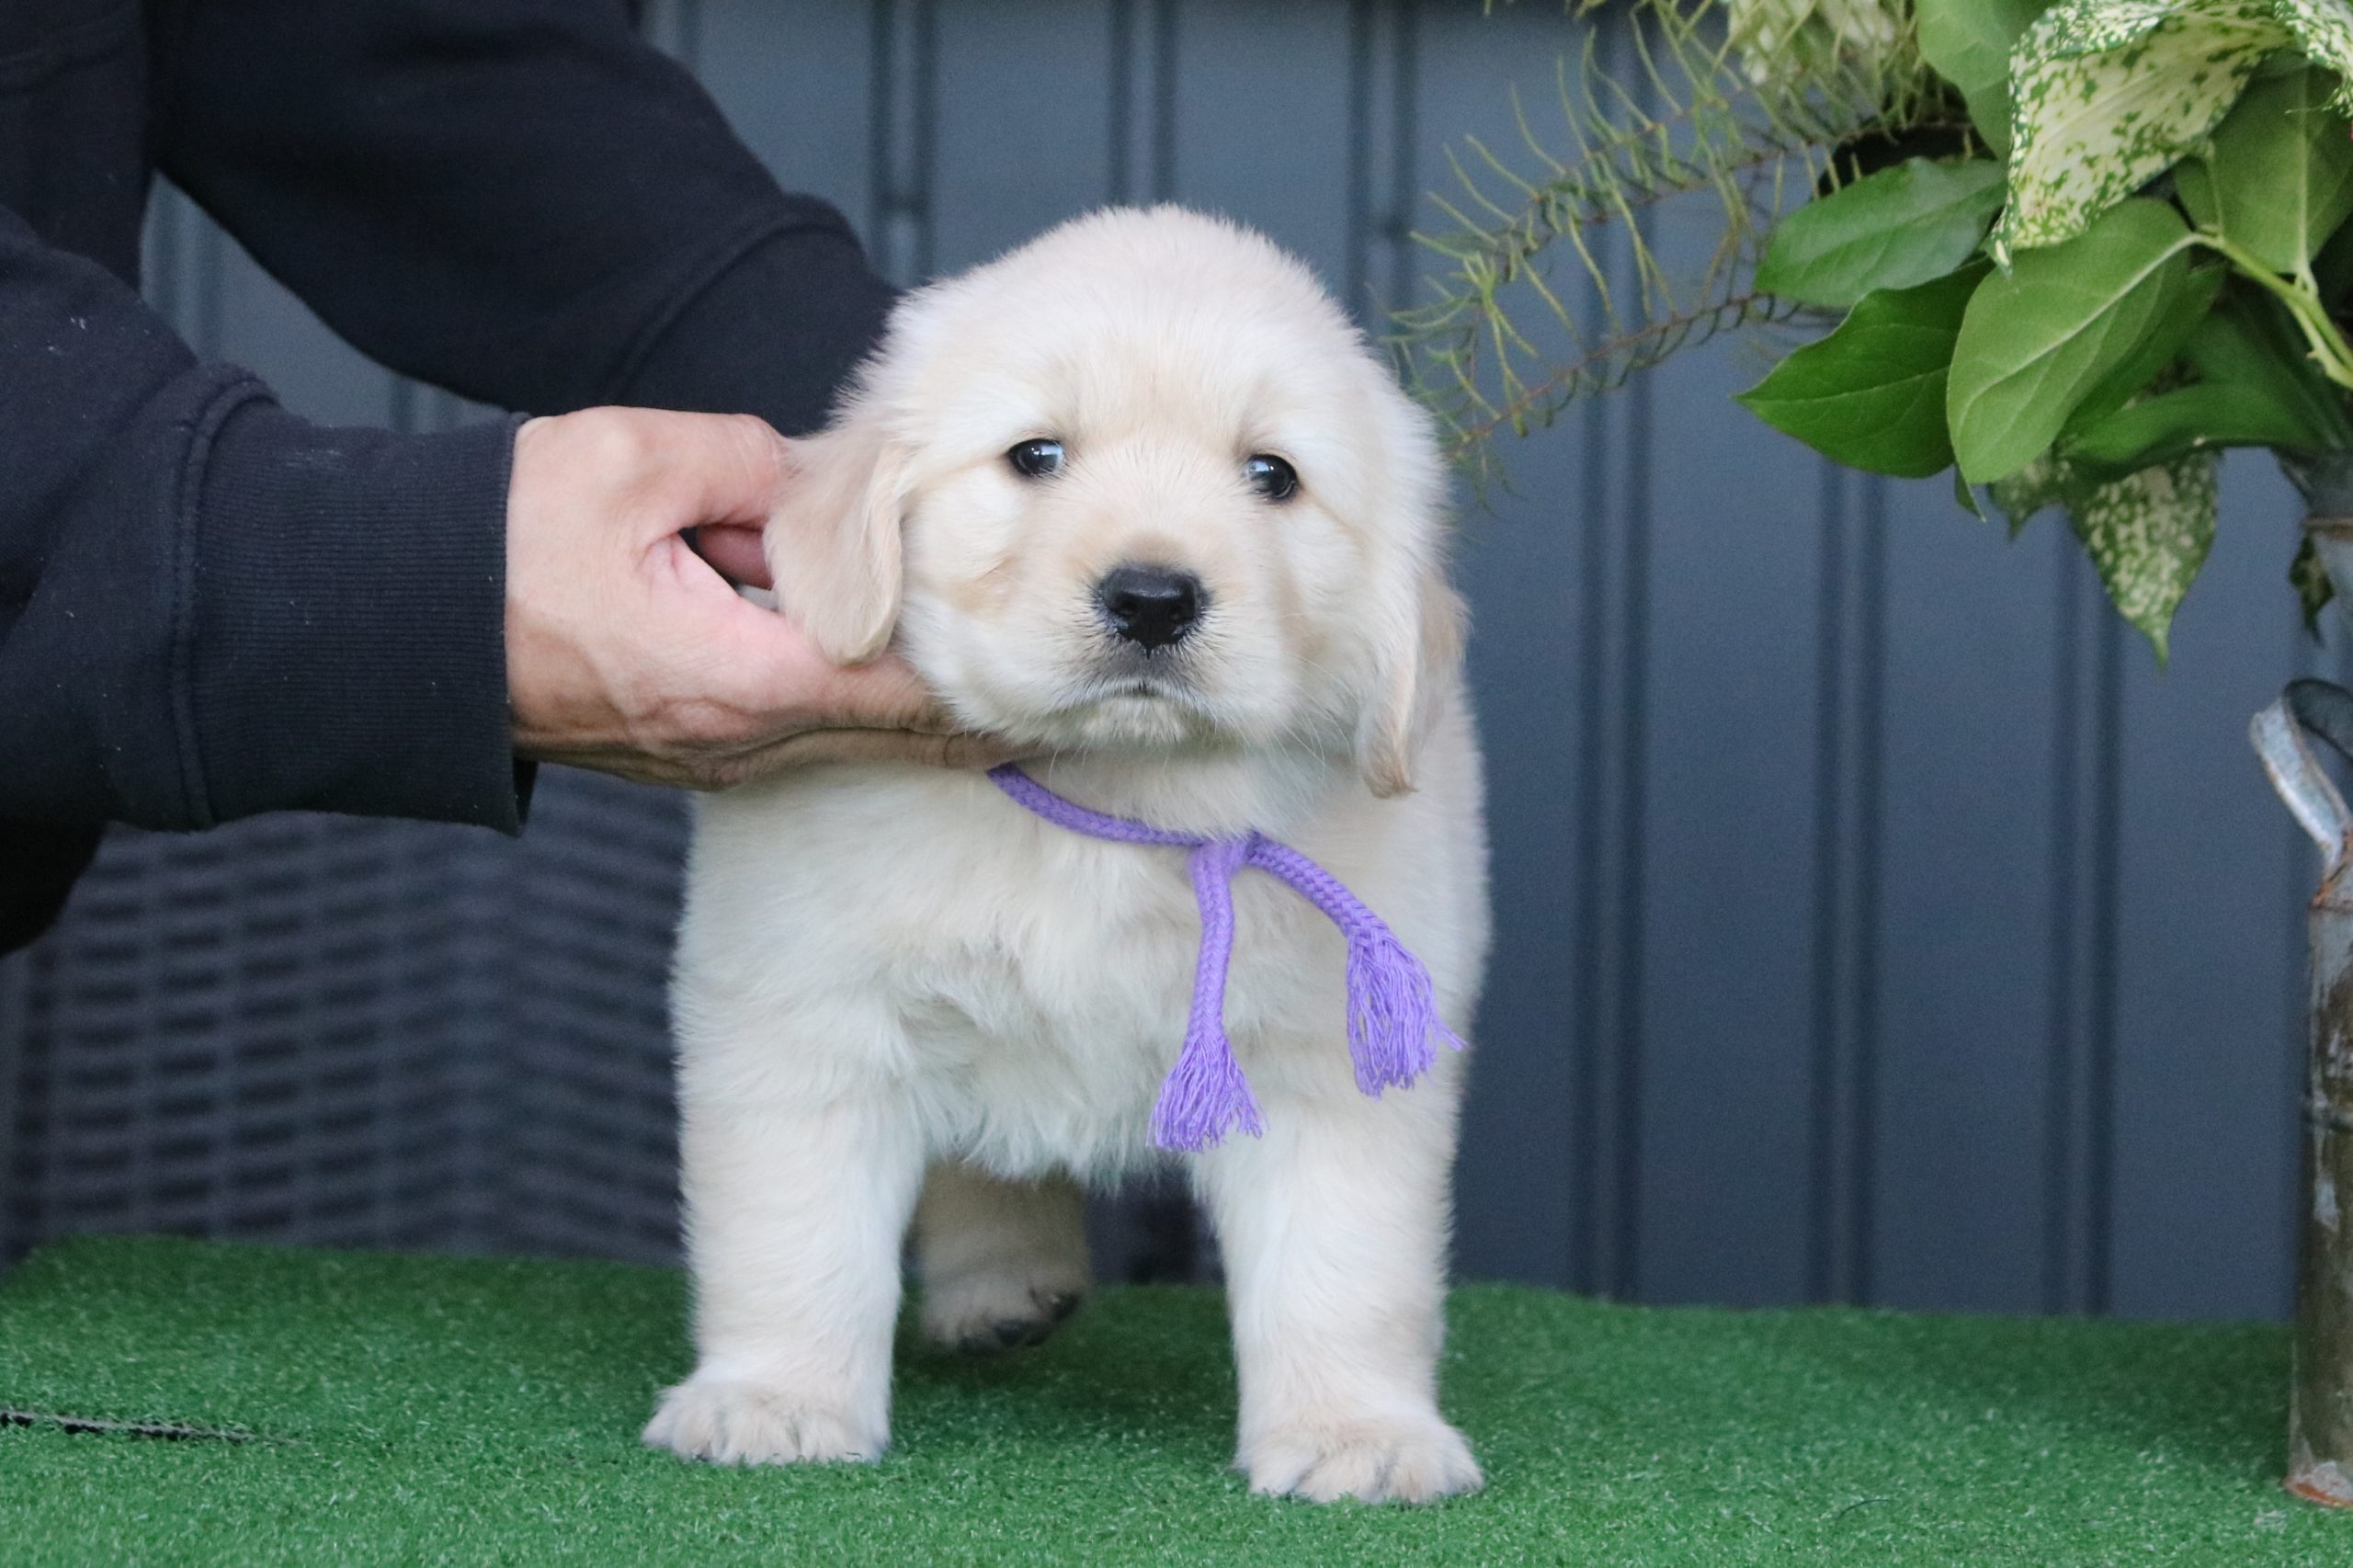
<point x="2180" y="318"/>
<point x="2279" y="177"/>
<point x="1872" y="394"/>
<point x="1896" y="228"/>
<point x="2035" y="342"/>
<point x="1968" y="43"/>
<point x="2110" y="94"/>
<point x="2256" y="387"/>
<point x="2250" y="345"/>
<point x="1966" y="493"/>
<point x="2311" y="581"/>
<point x="2161" y="429"/>
<point x="2148" y="534"/>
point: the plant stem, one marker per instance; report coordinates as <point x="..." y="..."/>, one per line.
<point x="2328" y="345"/>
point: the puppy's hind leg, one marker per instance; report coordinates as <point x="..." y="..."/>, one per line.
<point x="1002" y="1262"/>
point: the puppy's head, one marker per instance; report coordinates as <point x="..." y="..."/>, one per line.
<point x="1137" y="486"/>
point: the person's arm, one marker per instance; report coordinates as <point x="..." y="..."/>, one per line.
<point x="518" y="199"/>
<point x="210" y="608"/>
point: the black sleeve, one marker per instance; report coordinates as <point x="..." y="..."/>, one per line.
<point x="210" y="608"/>
<point x="518" y="199"/>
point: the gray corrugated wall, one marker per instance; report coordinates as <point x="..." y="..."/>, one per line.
<point x="1875" y="921"/>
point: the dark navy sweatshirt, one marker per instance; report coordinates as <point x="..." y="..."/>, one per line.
<point x="211" y="608"/>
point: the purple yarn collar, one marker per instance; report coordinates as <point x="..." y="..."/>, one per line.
<point x="1392" y="1011"/>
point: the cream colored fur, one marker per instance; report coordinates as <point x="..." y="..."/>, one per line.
<point x="887" y="969"/>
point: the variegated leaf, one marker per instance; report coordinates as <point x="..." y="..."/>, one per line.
<point x="2276" y="178"/>
<point x="2323" y="30"/>
<point x="2108" y="93"/>
<point x="2148" y="534"/>
<point x="1780" y="39"/>
<point x="2041" y="483"/>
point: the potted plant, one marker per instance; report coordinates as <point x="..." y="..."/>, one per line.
<point x="2069" y="252"/>
<point x="2066" y="250"/>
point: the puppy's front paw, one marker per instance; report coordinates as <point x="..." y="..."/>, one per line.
<point x="1375" y="1461"/>
<point x="729" y="1421"/>
<point x="991" y="1310"/>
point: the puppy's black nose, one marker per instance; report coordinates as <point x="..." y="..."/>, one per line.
<point x="1150" y="606"/>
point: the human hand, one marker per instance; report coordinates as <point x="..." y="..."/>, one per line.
<point x="628" y="653"/>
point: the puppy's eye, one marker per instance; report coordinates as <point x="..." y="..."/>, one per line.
<point x="1270" y="476"/>
<point x="1036" y="459"/>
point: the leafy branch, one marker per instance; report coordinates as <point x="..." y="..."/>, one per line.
<point x="1507" y="342"/>
<point x="2330" y="353"/>
<point x="2074" y="248"/>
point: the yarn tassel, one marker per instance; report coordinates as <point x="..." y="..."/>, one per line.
<point x="1205" y="1097"/>
<point x="1393" y="1013"/>
<point x="1393" y="1010"/>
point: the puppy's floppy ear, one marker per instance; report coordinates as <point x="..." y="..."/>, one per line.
<point x="1419" y="668"/>
<point x="833" y="542"/>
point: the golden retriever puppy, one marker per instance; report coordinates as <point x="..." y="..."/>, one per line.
<point x="1139" y="497"/>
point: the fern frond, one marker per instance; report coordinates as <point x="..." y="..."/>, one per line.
<point x="1555" y="288"/>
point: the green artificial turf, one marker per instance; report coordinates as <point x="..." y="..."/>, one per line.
<point x="401" y="1409"/>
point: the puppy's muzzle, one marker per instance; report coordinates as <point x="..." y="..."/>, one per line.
<point x="1151" y="606"/>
